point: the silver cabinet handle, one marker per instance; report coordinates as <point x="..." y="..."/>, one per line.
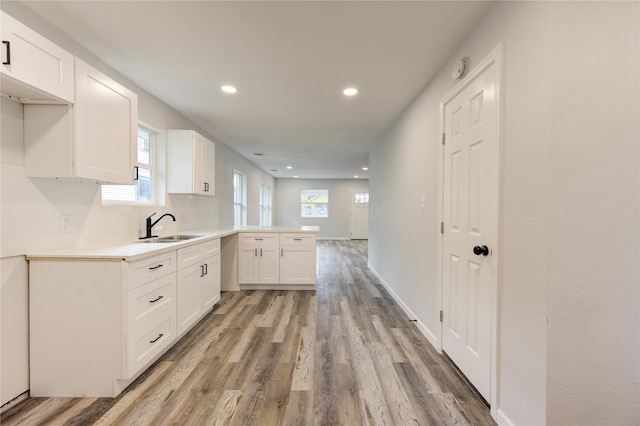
<point x="281" y="252"/>
<point x="156" y="299"/>
<point x="297" y="239"/>
<point x="206" y="269"/>
<point x="256" y="252"/>
<point x="261" y="252"/>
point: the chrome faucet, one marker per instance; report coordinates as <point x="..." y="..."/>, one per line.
<point x="151" y="224"/>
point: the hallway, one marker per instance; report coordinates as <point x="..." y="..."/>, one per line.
<point x="345" y="354"/>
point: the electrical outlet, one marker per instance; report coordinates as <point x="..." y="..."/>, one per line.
<point x="65" y="223"/>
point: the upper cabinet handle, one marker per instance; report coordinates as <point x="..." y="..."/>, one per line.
<point x="136" y="173"/>
<point x="8" y="50"/>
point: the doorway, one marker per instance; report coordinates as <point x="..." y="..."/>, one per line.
<point x="359" y="214"/>
<point x="469" y="252"/>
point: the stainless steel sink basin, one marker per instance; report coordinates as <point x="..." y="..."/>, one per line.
<point x="170" y="239"/>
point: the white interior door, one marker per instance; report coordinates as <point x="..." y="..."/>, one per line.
<point x="470" y="218"/>
<point x="359" y="214"/>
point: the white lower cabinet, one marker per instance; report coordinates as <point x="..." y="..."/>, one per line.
<point x="277" y="260"/>
<point x="258" y="259"/>
<point x="95" y="325"/>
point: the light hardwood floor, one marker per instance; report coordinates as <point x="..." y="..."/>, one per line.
<point x="345" y="354"/>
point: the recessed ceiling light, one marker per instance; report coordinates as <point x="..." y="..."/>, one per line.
<point x="350" y="91"/>
<point x="356" y="176"/>
<point x="365" y="168"/>
<point x="289" y="167"/>
<point x="229" y="89"/>
<point x="296" y="176"/>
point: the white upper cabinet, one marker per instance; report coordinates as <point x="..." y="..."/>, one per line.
<point x="191" y="162"/>
<point x="106" y="126"/>
<point x="33" y="68"/>
<point x="94" y="139"/>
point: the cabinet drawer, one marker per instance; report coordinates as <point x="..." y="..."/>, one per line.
<point x="211" y="248"/>
<point x="151" y="300"/>
<point x="150" y="268"/>
<point x="259" y="238"/>
<point x="148" y="341"/>
<point x="297" y="239"/>
<point x="189" y="255"/>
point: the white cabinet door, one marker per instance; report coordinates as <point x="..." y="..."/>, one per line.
<point x="297" y="259"/>
<point x="208" y="167"/>
<point x="210" y="283"/>
<point x="188" y="296"/>
<point x="106" y="127"/>
<point x="36" y="64"/>
<point x="248" y="261"/>
<point x="269" y="260"/>
<point x="191" y="163"/>
<point x="297" y="265"/>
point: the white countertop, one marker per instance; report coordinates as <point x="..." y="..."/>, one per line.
<point x="137" y="249"/>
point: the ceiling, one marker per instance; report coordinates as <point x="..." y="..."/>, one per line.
<point x="289" y="60"/>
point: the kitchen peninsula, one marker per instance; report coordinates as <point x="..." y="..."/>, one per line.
<point x="99" y="317"/>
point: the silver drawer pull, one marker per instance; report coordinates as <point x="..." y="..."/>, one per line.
<point x="156" y="299"/>
<point x="156" y="267"/>
<point x="258" y="239"/>
<point x="157" y="338"/>
<point x="297" y="239"/>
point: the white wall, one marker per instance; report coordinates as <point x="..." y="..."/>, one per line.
<point x="570" y="224"/>
<point x="287" y="204"/>
<point x="31" y="208"/>
<point x="255" y="176"/>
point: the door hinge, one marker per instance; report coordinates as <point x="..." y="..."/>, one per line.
<point x="441" y="316"/>
<point x="442" y="227"/>
<point x="443" y="137"/>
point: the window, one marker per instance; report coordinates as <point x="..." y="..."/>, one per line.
<point x="314" y="202"/>
<point x="361" y="198"/>
<point x="265" y="205"/>
<point x="142" y="190"/>
<point x="239" y="198"/>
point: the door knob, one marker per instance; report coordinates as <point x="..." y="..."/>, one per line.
<point x="481" y="250"/>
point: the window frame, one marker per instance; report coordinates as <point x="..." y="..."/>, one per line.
<point x="152" y="166"/>
<point x="266" y="205"/>
<point x="303" y="202"/>
<point x="240" y="199"/>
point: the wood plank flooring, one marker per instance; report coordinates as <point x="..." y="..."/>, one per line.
<point x="344" y="354"/>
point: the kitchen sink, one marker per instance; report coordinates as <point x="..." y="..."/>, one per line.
<point x="170" y="239"/>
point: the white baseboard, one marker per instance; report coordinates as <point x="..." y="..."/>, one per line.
<point x="502" y="419"/>
<point x="423" y="329"/>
